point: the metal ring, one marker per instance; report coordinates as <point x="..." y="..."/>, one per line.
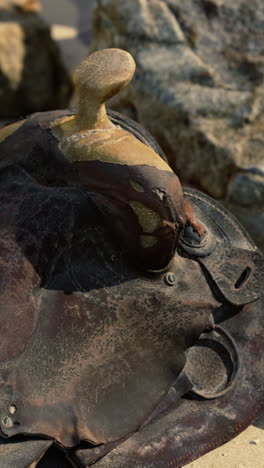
<point x="196" y="242"/>
<point x="196" y="247"/>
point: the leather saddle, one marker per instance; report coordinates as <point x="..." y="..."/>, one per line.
<point x="115" y="364"/>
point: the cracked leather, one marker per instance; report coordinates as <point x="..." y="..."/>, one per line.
<point x="91" y="344"/>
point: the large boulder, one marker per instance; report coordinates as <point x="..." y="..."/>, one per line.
<point x="199" y="89"/>
<point x="32" y="76"/>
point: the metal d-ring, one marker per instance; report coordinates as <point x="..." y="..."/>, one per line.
<point x="236" y="365"/>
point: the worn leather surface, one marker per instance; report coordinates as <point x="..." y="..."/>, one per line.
<point x="35" y="130"/>
<point x="18" y="454"/>
<point x="125" y="189"/>
<point x="91" y="344"/>
<point x="99" y="341"/>
<point x="233" y="261"/>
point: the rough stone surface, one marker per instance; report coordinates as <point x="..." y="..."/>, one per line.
<point x="245" y="197"/>
<point x="199" y="88"/>
<point x="32" y="76"/>
<point x="247" y="189"/>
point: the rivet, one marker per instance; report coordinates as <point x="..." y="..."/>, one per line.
<point x="7" y="421"/>
<point x="170" y="278"/>
<point x="12" y="409"/>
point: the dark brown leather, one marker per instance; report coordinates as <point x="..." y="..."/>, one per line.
<point x="93" y="347"/>
<point x="92" y="364"/>
<point x="229" y="256"/>
<point x="36" y="149"/>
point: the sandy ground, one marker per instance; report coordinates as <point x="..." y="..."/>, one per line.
<point x="70" y="21"/>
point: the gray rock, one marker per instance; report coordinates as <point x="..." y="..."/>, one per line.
<point x="252" y="219"/>
<point x="245" y="199"/>
<point x="32" y="76"/>
<point x="198" y="88"/>
<point x="247" y="189"/>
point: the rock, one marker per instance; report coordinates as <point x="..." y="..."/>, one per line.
<point x="32" y="76"/>
<point x="22" y="5"/>
<point x="198" y="88"/>
<point x="245" y="198"/>
<point x="247" y="189"/>
<point x="254" y="442"/>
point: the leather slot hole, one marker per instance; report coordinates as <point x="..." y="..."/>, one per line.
<point x="243" y="278"/>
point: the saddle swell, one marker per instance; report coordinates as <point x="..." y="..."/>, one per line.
<point x="144" y="202"/>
